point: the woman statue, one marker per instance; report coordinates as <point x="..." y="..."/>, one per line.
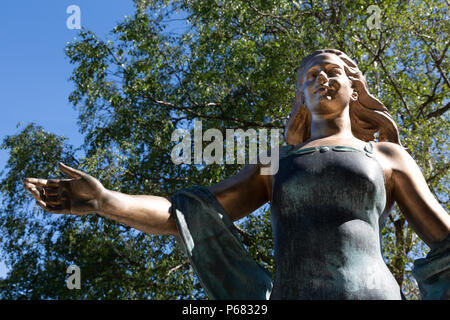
<point x="329" y="199"/>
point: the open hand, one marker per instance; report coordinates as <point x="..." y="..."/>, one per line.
<point x="82" y="194"/>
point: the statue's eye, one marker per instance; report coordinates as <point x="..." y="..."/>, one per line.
<point x="312" y="75"/>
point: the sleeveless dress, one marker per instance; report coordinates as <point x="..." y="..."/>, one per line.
<point x="326" y="208"/>
<point x="327" y="211"/>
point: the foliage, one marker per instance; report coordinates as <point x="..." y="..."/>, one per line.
<point x="232" y="65"/>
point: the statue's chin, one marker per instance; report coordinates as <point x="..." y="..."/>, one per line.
<point x="327" y="105"/>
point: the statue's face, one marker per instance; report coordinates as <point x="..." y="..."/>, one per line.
<point x="326" y="88"/>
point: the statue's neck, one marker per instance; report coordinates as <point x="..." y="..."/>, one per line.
<point x="331" y="126"/>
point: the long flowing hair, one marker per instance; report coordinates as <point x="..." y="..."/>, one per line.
<point x="367" y="114"/>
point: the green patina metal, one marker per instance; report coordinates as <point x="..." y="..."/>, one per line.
<point x="326" y="207"/>
<point x="225" y="269"/>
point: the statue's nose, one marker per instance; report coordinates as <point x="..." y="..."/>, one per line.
<point x="322" y="77"/>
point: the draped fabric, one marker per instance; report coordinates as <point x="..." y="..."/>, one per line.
<point x="224" y="268"/>
<point x="433" y="272"/>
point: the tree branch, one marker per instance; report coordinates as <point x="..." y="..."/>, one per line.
<point x="438" y="112"/>
<point x="249" y="241"/>
<point x="378" y="58"/>
<point x="205" y="116"/>
<point x="177" y="267"/>
<point x="436" y="174"/>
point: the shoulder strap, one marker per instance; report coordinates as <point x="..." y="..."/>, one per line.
<point x="285" y="150"/>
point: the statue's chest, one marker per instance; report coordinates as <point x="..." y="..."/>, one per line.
<point x="328" y="181"/>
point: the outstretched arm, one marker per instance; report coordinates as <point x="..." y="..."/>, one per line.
<point x="83" y="194"/>
<point x="410" y="190"/>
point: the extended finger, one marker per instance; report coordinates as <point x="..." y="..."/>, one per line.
<point x="71" y="172"/>
<point x="50" y="206"/>
<point x="37" y="182"/>
<point x="34" y="191"/>
<point x="43" y="182"/>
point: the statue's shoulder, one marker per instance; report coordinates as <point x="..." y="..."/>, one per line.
<point x="389" y="149"/>
<point x="396" y="155"/>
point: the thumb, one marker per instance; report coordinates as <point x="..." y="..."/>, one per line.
<point x="71" y="172"/>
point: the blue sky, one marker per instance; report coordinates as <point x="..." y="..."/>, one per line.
<point x="34" y="71"/>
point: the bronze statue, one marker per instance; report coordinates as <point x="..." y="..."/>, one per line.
<point x="333" y="190"/>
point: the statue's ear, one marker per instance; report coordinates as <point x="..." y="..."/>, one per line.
<point x="354" y="96"/>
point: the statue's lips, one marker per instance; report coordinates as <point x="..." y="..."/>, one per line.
<point x="324" y="89"/>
